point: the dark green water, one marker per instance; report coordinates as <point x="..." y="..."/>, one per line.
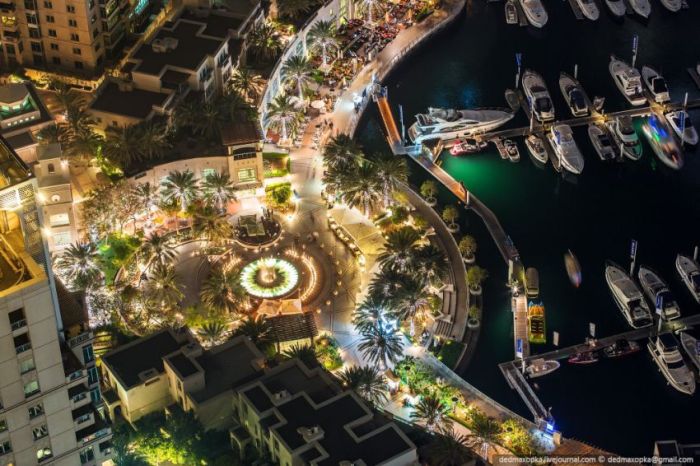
<point x="621" y="405"/>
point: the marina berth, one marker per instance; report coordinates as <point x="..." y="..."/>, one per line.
<point x="445" y="124"/>
<point x="659" y="294"/>
<point x="534" y="12"/>
<point x="574" y="95"/>
<point x="662" y="142"/>
<point x="664" y="351"/>
<point x="627" y="296"/>
<point x="689" y="271"/>
<point x="628" y="80"/>
<point x="538" y="97"/>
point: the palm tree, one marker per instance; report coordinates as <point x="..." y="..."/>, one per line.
<point x="250" y="85"/>
<point x="222" y="291"/>
<point x="432" y="412"/>
<point x="475" y="277"/>
<point x="295" y="9"/>
<point x="400" y="249"/>
<point x="450" y="215"/>
<point x="322" y="37"/>
<point x="264" y="42"/>
<point x="381" y="345"/>
<point x="367" y="382"/>
<point x="392" y="171"/>
<point x="78" y="263"/>
<point x="158" y="250"/>
<point x="163" y="289"/>
<point x="432" y="262"/>
<point x="53" y="133"/>
<point x="467" y="246"/>
<point x="305" y="353"/>
<point x="180" y="187"/>
<point x="123" y="145"/>
<point x="218" y="190"/>
<point x="484" y="430"/>
<point x="386" y="284"/>
<point x="82" y="144"/>
<point x="411" y="298"/>
<point x="297" y="72"/>
<point x="429" y="190"/>
<point x="154" y="140"/>
<point x="146" y="196"/>
<point x="449" y="449"/>
<point x="212" y="332"/>
<point x="362" y="188"/>
<point x="283" y="115"/>
<point x="371" y="311"/>
<point x="214" y="228"/>
<point x="258" y="329"/>
<point x="341" y="151"/>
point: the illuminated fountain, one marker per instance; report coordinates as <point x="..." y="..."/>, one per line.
<point x="269" y="277"/>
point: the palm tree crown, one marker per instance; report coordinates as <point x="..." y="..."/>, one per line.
<point x="400" y="249"/>
<point x="218" y="189"/>
<point x="367" y="382"/>
<point x="323" y="36"/>
<point x="432" y="412"/>
<point x="180" y="187"/>
<point x="391" y="172"/>
<point x="158" y="249"/>
<point x="222" y="291"/>
<point x="78" y="263"/>
<point x="283" y="115"/>
<point x="361" y="188"/>
<point x="297" y="72"/>
<point x="381" y="344"/>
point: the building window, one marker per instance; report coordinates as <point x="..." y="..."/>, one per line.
<point x="5" y="447"/>
<point x="87" y="455"/>
<point x="246" y="175"/>
<point x="58" y="220"/>
<point x="36" y="47"/>
<point x="3" y="425"/>
<point x="17" y="319"/>
<point x="74" y="37"/>
<point x="95" y="395"/>
<point x="42" y="454"/>
<point x="77" y="51"/>
<point x="51" y="168"/>
<point x="52" y="33"/>
<point x="22" y="343"/>
<point x="26" y="365"/>
<point x="72" y="23"/>
<point x="92" y="376"/>
<point x="34" y="33"/>
<point x="62" y="238"/>
<point x="56" y="60"/>
<point x="207" y="172"/>
<point x="88" y="354"/>
<point x="48" y="4"/>
<point x="95" y="33"/>
<point x="53" y="46"/>
<point x="31" y="19"/>
<point x="70" y="8"/>
<point x="36" y="410"/>
<point x="50" y="19"/>
<point x="78" y="65"/>
<point x="31" y="388"/>
<point x="40" y="431"/>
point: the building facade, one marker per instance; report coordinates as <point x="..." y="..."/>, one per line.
<point x="22" y="115"/>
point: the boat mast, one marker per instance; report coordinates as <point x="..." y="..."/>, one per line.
<point x="633" y="256"/>
<point x="682" y="118"/>
<point x="695" y="254"/>
<point x="635" y="46"/>
<point x="576" y="71"/>
<point x="519" y="61"/>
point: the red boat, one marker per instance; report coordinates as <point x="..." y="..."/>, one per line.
<point x="585" y="357"/>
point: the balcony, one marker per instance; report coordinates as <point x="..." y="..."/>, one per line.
<point x="22" y="343"/>
<point x="7" y="6"/>
<point x="80" y="339"/>
<point x="19" y="324"/>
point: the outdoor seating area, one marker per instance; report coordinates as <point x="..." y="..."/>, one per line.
<point x="257" y="230"/>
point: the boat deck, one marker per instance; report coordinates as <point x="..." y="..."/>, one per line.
<point x="576" y="9"/>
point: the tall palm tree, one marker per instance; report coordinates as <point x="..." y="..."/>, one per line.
<point x="367" y="382"/>
<point x="283" y="115"/>
<point x="449" y="449"/>
<point x="82" y="144"/>
<point x="484" y="430"/>
<point x="250" y="85"/>
<point x="218" y="190"/>
<point x="212" y="332"/>
<point x="386" y="284"/>
<point x="222" y="291"/>
<point x="258" y="329"/>
<point x="79" y="264"/>
<point x="400" y="249"/>
<point x="370" y="312"/>
<point x="180" y="187"/>
<point x="211" y="226"/>
<point x="163" y="289"/>
<point x="341" y="151"/>
<point x="361" y="188"/>
<point x="123" y="145"/>
<point x="381" y="345"/>
<point x="297" y="71"/>
<point x="305" y="353"/>
<point x="323" y="37"/>
<point x="264" y="42"/>
<point x="392" y="171"/>
<point x="432" y="412"/>
<point x="410" y="298"/>
<point x="157" y="250"/>
<point x="53" y="133"/>
<point x="147" y="197"/>
<point x="432" y="262"/>
<point x="155" y="141"/>
<point x="294" y="9"/>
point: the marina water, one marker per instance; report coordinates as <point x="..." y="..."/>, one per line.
<point x="622" y="405"/>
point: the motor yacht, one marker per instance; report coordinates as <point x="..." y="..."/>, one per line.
<point x="512" y="150"/>
<point x="534" y="12"/>
<point x="589" y="9"/>
<point x="565" y="149"/>
<point x="535" y="145"/>
<point x="511" y="12"/>
<point x="584" y="357"/>
<point x="664" y="350"/>
<point x="672" y="5"/>
<point x="617" y="8"/>
<point x="656" y="84"/>
<point x="538" y="96"/>
<point x="683" y="129"/>
<point x="690" y="342"/>
<point x="660" y="137"/>
<point x="532" y="283"/>
<point x="622" y="130"/>
<point x="689" y="270"/>
<point x="602" y="143"/>
<point x="641" y="7"/>
<point x="621" y="348"/>
<point x="540" y="367"/>
<point x="441" y="123"/>
<point x="574" y="95"/>
<point x="628" y="80"/>
<point x="627" y="296"/>
<point x="657" y="291"/>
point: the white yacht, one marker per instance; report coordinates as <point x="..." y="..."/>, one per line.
<point x="657" y="291"/>
<point x="622" y="130"/>
<point x="628" y="80"/>
<point x="535" y="12"/>
<point x="660" y="137"/>
<point x="690" y="341"/>
<point x="565" y="149"/>
<point x="601" y="141"/>
<point x="589" y="9"/>
<point x="617" y="8"/>
<point x="689" y="270"/>
<point x="539" y="367"/>
<point x="683" y="129"/>
<point x="574" y="95"/>
<point x="440" y="123"/>
<point x="511" y="12"/>
<point x="656" y="84"/>
<point x="664" y="350"/>
<point x="627" y="296"/>
<point x="641" y="7"/>
<point x="535" y="145"/>
<point x="672" y="5"/>
<point x="538" y="96"/>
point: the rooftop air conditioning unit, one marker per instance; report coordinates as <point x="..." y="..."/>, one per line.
<point x="280" y="395"/>
<point x="311" y="434"/>
<point x="192" y="350"/>
<point x="170" y="43"/>
<point x="158" y="46"/>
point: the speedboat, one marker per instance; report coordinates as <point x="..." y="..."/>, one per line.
<point x="628" y="80"/>
<point x="683" y="129"/>
<point x="538" y="96"/>
<point x="468" y="146"/>
<point x="621" y="348"/>
<point x="622" y="129"/>
<point x="617" y="8"/>
<point x="589" y="9"/>
<point x="601" y="141"/>
<point x="657" y="291"/>
<point x="689" y="270"/>
<point x="573" y="268"/>
<point x="440" y="123"/>
<point x="562" y="139"/>
<point x="656" y="84"/>
<point x="532" y="283"/>
<point x="573" y="94"/>
<point x="641" y="7"/>
<point x="511" y="12"/>
<point x="540" y="367"/>
<point x="672" y="5"/>
<point x="664" y="350"/>
<point x="627" y="296"/>
<point x="584" y="357"/>
<point x="662" y="142"/>
<point x="690" y="342"/>
<point x="534" y="12"/>
<point x="512" y="150"/>
<point x="535" y="145"/>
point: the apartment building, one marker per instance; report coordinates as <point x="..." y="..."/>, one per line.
<point x="49" y="392"/>
<point x="22" y="115"/>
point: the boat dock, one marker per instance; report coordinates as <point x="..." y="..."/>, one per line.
<point x="520" y="332"/>
<point x="694" y="74"/>
<point x="576" y="9"/>
<point x="517" y="381"/>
